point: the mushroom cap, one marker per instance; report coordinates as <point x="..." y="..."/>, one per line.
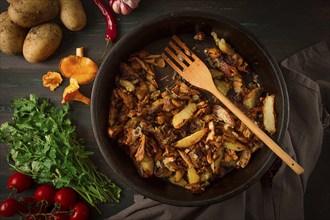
<point x="82" y="69"/>
<point x="51" y="80"/>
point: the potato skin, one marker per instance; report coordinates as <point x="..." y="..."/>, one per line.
<point x="11" y="36"/>
<point x="30" y="13"/>
<point x="41" y="42"/>
<point x="72" y="14"/>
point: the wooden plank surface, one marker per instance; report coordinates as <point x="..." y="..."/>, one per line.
<point x="284" y="27"/>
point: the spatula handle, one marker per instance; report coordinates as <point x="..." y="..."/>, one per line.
<point x="258" y="132"/>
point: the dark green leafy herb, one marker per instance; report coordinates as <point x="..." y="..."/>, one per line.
<point x="44" y="145"/>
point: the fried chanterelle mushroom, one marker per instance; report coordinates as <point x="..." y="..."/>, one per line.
<point x="77" y="66"/>
<point x="51" y="80"/>
<point x="179" y="134"/>
<point x="71" y="92"/>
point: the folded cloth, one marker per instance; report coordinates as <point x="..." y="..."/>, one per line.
<point x="283" y="197"/>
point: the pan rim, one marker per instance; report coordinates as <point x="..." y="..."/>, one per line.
<point x="184" y="14"/>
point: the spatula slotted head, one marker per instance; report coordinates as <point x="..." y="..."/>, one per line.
<point x="187" y="64"/>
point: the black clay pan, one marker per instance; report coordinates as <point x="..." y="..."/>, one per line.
<point x="154" y="35"/>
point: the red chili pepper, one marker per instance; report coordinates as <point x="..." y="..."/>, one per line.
<point x="111" y="31"/>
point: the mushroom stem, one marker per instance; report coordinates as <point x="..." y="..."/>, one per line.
<point x="80" y="52"/>
<point x="80" y="97"/>
<point x="77" y="96"/>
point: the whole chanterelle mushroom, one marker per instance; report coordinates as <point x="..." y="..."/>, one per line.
<point x="78" y="67"/>
<point x="71" y="92"/>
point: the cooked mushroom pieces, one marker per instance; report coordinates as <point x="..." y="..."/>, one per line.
<point x="180" y="135"/>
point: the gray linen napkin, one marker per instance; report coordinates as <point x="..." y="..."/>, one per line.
<point x="282" y="198"/>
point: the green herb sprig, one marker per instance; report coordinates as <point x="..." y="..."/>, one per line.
<point x="44" y="145"/>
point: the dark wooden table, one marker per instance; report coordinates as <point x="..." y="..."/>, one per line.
<point x="284" y="26"/>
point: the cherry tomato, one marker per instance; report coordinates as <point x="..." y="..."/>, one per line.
<point x="18" y="182"/>
<point x="66" y="197"/>
<point x="80" y="212"/>
<point x="9" y="207"/>
<point x="45" y="193"/>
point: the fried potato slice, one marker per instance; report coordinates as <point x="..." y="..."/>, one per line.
<point x="235" y="146"/>
<point x="146" y="166"/>
<point x="192" y="175"/>
<point x="244" y="158"/>
<point x="222" y="86"/>
<point x="181" y="182"/>
<point x="251" y="98"/>
<point x="184" y="115"/>
<point x="191" y="139"/>
<point x="223" y="115"/>
<point x="178" y="175"/>
<point x="223" y="45"/>
<point x="268" y="113"/>
<point x="129" y="86"/>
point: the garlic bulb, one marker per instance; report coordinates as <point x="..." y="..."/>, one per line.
<point x="124" y="7"/>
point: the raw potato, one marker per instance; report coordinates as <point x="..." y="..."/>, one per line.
<point x="30" y="13"/>
<point x="11" y="36"/>
<point x="72" y="14"/>
<point x="41" y="42"/>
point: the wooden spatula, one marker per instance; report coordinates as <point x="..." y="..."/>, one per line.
<point x="192" y="69"/>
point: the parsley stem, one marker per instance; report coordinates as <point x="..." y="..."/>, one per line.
<point x="44" y="145"/>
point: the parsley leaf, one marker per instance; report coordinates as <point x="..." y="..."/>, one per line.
<point x="44" y="145"/>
